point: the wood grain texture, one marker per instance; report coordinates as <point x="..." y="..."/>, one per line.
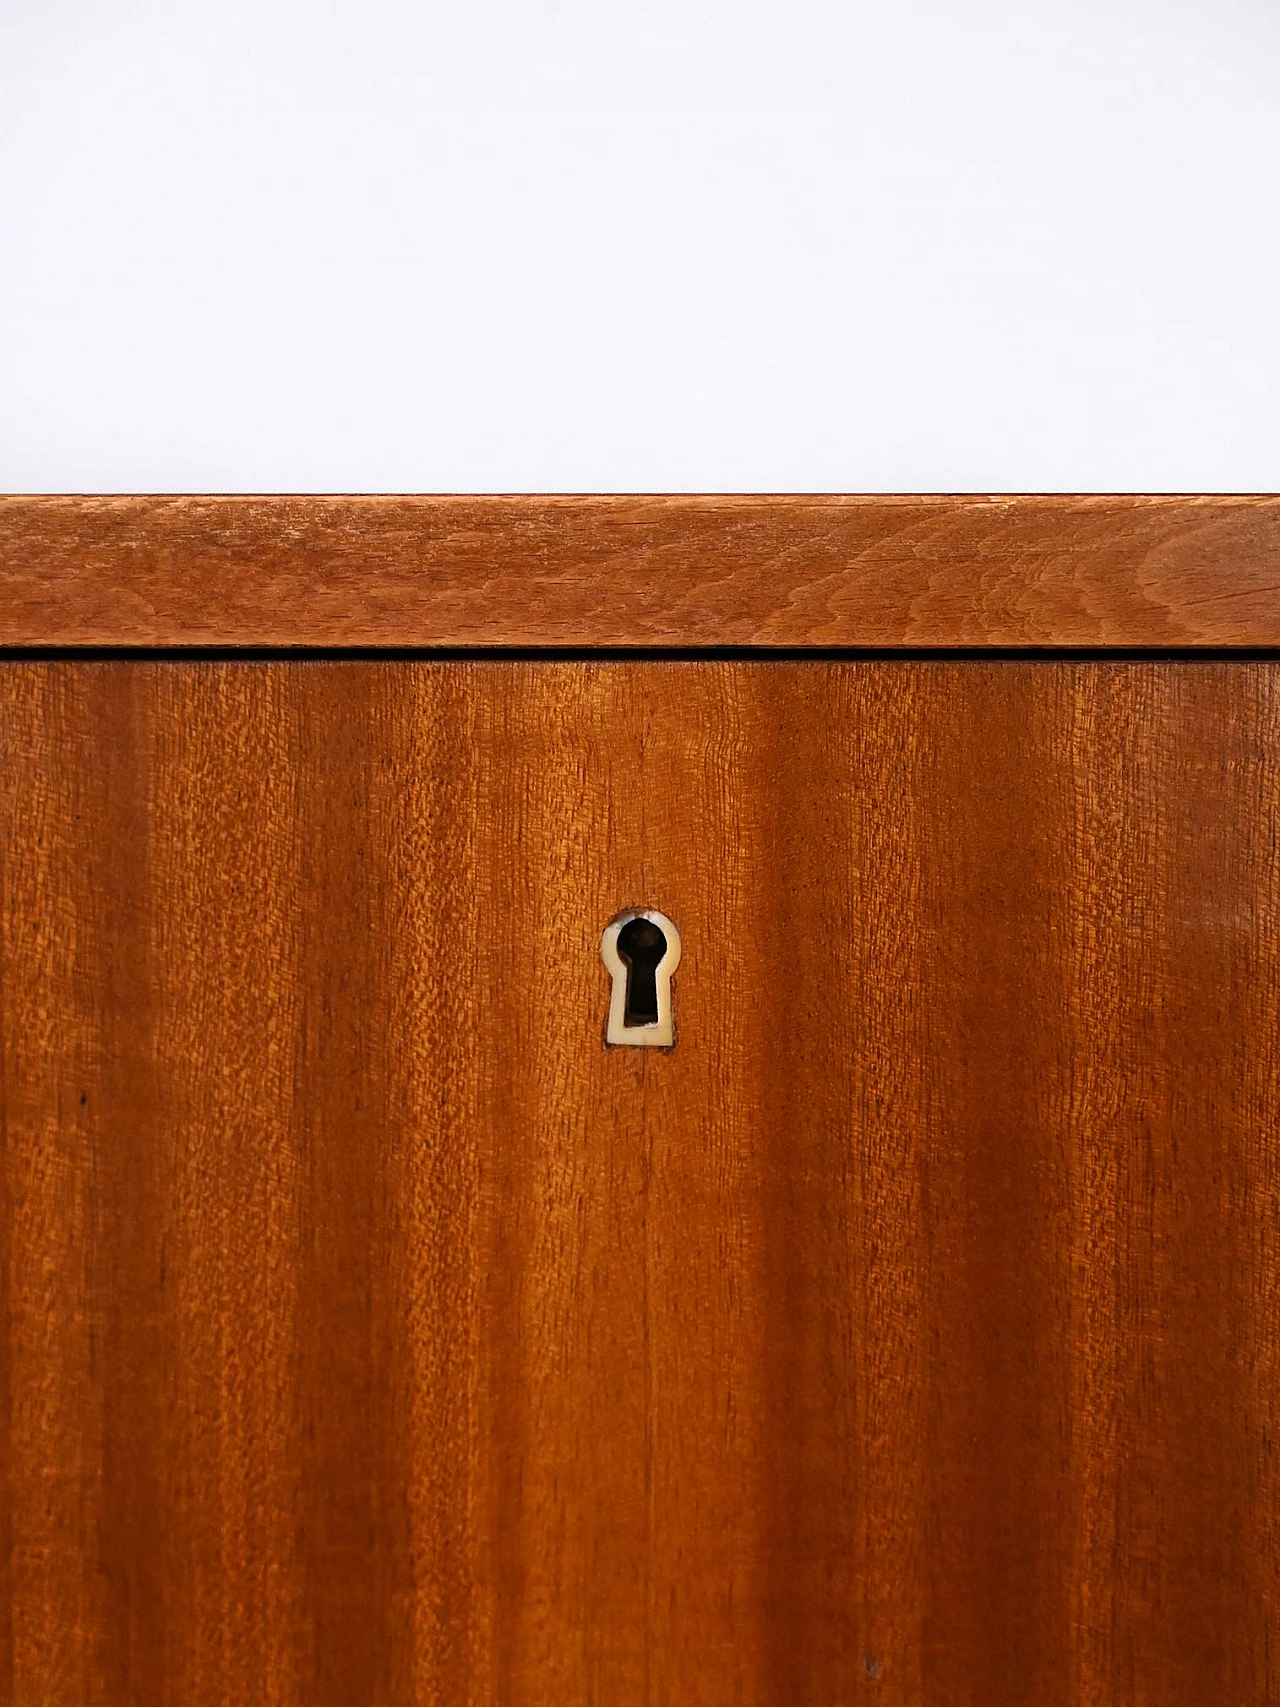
<point x="909" y="1334"/>
<point x="641" y="572"/>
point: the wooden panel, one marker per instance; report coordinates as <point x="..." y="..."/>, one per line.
<point x="910" y="1333"/>
<point x="641" y="572"/>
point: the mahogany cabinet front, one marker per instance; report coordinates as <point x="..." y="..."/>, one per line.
<point x="373" y="1333"/>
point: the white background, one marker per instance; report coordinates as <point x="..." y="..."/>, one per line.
<point x="685" y="245"/>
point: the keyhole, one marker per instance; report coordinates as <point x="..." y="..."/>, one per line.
<point x="641" y="947"/>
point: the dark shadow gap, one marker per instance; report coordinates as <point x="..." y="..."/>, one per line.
<point x="635" y="654"/>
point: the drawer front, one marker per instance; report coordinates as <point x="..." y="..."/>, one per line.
<point x="908" y="1332"/>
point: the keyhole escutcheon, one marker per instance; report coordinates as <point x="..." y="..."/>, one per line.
<point x="641" y="949"/>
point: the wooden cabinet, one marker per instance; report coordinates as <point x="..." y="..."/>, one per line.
<point x="909" y="1332"/>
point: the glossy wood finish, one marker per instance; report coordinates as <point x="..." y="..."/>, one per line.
<point x="641" y="572"/>
<point x="909" y="1334"/>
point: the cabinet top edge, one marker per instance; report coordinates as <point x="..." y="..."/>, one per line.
<point x="822" y="571"/>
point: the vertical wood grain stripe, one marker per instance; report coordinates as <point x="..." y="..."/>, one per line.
<point x="1254" y="1203"/>
<point x="228" y="901"/>
<point x="696" y="816"/>
<point x="1108" y="840"/>
<point x="425" y="1079"/>
<point x="993" y="1201"/>
<point x="53" y="1321"/>
<point x="878" y="798"/>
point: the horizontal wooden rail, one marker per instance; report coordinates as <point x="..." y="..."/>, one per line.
<point x="640" y="571"/>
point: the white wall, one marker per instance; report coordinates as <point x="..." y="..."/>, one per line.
<point x="588" y="245"/>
